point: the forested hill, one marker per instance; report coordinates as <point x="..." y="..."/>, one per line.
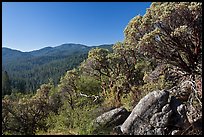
<point x="28" y="70"/>
<point x="149" y="84"/>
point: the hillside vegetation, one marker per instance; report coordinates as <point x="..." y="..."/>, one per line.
<point x="28" y="70"/>
<point x="161" y="50"/>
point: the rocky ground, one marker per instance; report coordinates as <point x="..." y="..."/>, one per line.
<point x="158" y="113"/>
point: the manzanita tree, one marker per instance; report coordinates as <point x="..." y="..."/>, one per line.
<point x="68" y="87"/>
<point x="25" y="114"/>
<point x="116" y="70"/>
<point x="170" y="32"/>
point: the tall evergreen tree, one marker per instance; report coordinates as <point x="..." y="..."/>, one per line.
<point x="6" y="85"/>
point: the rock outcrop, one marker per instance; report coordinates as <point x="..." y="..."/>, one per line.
<point x="158" y="113"/>
<point x="111" y="118"/>
<point x="147" y="116"/>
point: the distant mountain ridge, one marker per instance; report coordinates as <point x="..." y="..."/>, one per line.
<point x="62" y="50"/>
<point x="36" y="67"/>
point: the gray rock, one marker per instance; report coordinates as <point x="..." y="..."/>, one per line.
<point x="138" y="122"/>
<point x="179" y="118"/>
<point x="166" y="108"/>
<point x="159" y="131"/>
<point x="154" y="75"/>
<point x="161" y="119"/>
<point x="111" y="118"/>
<point x="175" y="132"/>
<point x="198" y="124"/>
<point x="193" y="114"/>
<point x="181" y="109"/>
<point x="174" y="103"/>
<point x="117" y="130"/>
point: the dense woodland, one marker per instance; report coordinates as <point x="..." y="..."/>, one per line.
<point x="28" y="70"/>
<point x="161" y="49"/>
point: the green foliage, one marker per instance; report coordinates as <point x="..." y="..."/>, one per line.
<point x="48" y="62"/>
<point x="160" y="84"/>
<point x="78" y="119"/>
<point x="25" y="114"/>
<point x="75" y="113"/>
<point x="170" y="32"/>
<point x="68" y="87"/>
<point x="53" y="69"/>
<point x="88" y="85"/>
<point x="6" y="84"/>
<point x="127" y="101"/>
<point x="118" y="70"/>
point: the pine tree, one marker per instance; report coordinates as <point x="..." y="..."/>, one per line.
<point x="6" y="85"/>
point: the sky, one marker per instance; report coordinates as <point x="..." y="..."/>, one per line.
<point x="28" y="26"/>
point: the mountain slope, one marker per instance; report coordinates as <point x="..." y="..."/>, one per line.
<point x="10" y="55"/>
<point x="64" y="50"/>
<point x="36" y="67"/>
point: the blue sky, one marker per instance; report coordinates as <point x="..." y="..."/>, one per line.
<point x="29" y="26"/>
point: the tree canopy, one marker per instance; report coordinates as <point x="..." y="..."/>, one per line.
<point x="166" y="39"/>
<point x="170" y="32"/>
